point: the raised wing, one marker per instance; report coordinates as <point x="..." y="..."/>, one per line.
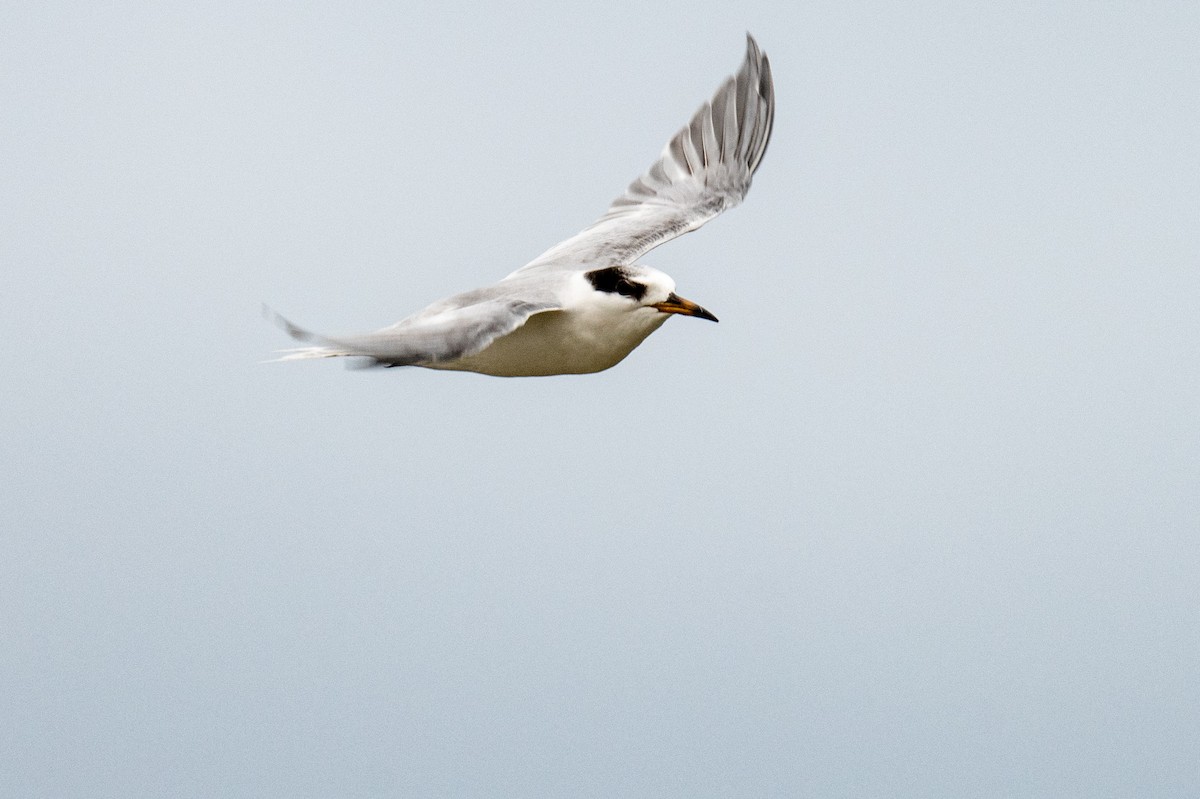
<point x="444" y="332"/>
<point x="705" y="169"/>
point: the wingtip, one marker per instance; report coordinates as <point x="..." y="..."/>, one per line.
<point x="756" y="60"/>
<point x="753" y="52"/>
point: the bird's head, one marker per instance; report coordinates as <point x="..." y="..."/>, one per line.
<point x="642" y="287"/>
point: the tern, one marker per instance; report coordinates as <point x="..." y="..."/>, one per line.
<point x="585" y="304"/>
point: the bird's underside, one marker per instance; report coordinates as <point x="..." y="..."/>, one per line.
<point x="548" y="343"/>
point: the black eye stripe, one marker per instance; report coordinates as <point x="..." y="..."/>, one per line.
<point x="613" y="280"/>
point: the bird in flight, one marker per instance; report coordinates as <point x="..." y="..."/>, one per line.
<point x="584" y="304"/>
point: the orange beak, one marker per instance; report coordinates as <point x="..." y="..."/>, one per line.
<point x="676" y="304"/>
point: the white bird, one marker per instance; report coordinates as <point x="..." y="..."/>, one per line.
<point x="584" y="304"/>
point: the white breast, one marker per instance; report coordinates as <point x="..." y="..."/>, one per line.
<point x="577" y="341"/>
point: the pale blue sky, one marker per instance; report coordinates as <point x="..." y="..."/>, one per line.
<point x="919" y="517"/>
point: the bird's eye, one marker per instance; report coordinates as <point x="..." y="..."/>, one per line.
<point x="611" y="281"/>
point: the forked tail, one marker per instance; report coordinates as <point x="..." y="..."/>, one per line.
<point x="300" y="334"/>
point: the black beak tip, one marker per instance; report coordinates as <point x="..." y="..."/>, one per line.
<point x="676" y="304"/>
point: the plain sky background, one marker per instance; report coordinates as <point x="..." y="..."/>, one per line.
<point x="919" y="517"/>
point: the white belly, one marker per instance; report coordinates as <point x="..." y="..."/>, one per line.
<point x="562" y="342"/>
